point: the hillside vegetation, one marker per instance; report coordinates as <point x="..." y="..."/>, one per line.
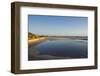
<point x="34" y="36"/>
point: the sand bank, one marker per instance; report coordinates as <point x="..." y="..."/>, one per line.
<point x="35" y="41"/>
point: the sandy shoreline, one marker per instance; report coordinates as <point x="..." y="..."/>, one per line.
<point x="35" y="41"/>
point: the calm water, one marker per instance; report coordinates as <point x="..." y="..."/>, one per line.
<point x="61" y="48"/>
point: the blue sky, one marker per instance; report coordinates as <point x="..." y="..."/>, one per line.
<point x="58" y="25"/>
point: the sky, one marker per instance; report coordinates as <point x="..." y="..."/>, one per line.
<point x="58" y="25"/>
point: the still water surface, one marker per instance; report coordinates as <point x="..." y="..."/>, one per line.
<point x="62" y="48"/>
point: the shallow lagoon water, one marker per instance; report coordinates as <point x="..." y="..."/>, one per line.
<point x="57" y="48"/>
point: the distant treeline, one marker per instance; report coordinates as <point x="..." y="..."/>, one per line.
<point x="34" y="36"/>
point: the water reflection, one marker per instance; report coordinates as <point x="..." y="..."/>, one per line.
<point x="60" y="48"/>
